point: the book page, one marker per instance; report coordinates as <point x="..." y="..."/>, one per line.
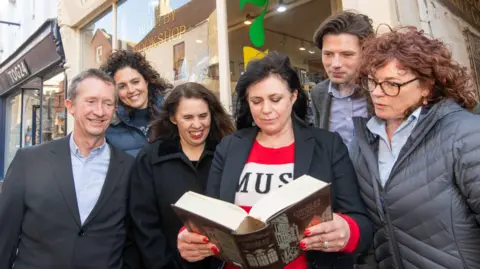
<point x="286" y="196"/>
<point x="223" y="213"/>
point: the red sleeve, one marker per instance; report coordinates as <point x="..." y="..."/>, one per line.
<point x="352" y="243"/>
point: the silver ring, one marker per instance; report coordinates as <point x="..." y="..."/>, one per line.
<point x="325" y="244"/>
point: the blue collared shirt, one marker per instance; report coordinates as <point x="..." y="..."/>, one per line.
<point x="388" y="152"/>
<point x="343" y="109"/>
<point x="89" y="174"/>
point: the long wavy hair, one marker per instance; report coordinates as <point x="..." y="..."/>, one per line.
<point x="157" y="86"/>
<point x="428" y="58"/>
<point x="257" y="70"/>
<point x="221" y="122"/>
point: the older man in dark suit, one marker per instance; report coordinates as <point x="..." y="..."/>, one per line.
<point x="67" y="208"/>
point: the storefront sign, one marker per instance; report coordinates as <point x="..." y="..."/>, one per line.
<point x="162" y="37"/>
<point x="473" y="45"/>
<point x="165" y="35"/>
<point x="18" y="72"/>
<point x="36" y="58"/>
<point x="469" y="10"/>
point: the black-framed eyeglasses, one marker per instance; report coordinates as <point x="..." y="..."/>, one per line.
<point x="388" y="87"/>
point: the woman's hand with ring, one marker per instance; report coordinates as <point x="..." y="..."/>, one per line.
<point x="330" y="236"/>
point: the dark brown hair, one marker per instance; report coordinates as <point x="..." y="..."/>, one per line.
<point x="257" y="70"/>
<point x="164" y="129"/>
<point x="345" y="22"/>
<point x="428" y="58"/>
<point x="157" y="86"/>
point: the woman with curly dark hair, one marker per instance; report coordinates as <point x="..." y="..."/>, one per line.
<point x="185" y="137"/>
<point x="418" y="158"/>
<point x="141" y="92"/>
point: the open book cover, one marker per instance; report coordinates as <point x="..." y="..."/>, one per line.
<point x="268" y="236"/>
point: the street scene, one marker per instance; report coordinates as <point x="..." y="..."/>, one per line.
<point x="201" y="134"/>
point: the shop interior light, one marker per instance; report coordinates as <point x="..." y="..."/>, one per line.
<point x="302" y="47"/>
<point x="311" y="50"/>
<point x="199" y="41"/>
<point x="248" y="19"/>
<point x="281" y="6"/>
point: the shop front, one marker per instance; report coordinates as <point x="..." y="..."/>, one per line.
<point x="32" y="93"/>
<point x="205" y="41"/>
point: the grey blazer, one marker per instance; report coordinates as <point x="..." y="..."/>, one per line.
<point x="40" y="223"/>
<point x="321" y="102"/>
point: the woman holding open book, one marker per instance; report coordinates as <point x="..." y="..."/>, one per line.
<point x="185" y="135"/>
<point x="272" y="147"/>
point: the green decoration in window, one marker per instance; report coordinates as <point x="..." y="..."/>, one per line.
<point x="257" y="30"/>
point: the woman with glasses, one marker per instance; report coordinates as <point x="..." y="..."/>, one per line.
<point x="418" y="158"/>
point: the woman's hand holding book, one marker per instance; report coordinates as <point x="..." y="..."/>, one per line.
<point x="194" y="247"/>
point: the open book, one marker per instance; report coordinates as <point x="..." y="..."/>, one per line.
<point x="267" y="237"/>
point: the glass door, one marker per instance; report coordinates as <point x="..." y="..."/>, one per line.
<point x="31" y="117"/>
<point x="13" y="120"/>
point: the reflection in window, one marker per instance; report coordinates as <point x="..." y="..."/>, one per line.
<point x="97" y="41"/>
<point x="12" y="128"/>
<point x="178" y="37"/>
<point x="98" y="55"/>
<point x="53" y="120"/>
<point x="178" y="60"/>
<point x="31" y="117"/>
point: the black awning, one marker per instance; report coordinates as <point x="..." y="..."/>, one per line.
<point x="40" y="52"/>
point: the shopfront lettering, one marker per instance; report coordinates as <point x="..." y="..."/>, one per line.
<point x="168" y="35"/>
<point x="166" y="19"/>
<point x="18" y="72"/>
<point x="469" y="10"/>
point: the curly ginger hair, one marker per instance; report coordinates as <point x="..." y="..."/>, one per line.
<point x="428" y="58"/>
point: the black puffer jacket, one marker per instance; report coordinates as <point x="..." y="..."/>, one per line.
<point x="428" y="213"/>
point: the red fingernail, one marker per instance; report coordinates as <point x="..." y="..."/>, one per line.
<point x="206" y="240"/>
<point x="307" y="232"/>
<point x="303" y="246"/>
<point x="215" y="250"/>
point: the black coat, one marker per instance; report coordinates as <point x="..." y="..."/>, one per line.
<point x="161" y="175"/>
<point x="318" y="153"/>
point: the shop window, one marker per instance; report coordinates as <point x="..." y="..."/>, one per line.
<point x="53" y="109"/>
<point x="13" y="122"/>
<point x="97" y="40"/>
<point x="31" y="116"/>
<point x="98" y="54"/>
<point x="280" y="35"/>
<point x="178" y="60"/>
<point x="178" y="37"/>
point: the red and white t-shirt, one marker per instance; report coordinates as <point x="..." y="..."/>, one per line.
<point x="266" y="169"/>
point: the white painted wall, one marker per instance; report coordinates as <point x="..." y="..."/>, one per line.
<point x="449" y="28"/>
<point x="30" y="14"/>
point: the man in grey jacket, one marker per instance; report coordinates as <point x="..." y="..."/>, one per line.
<point x="338" y="99"/>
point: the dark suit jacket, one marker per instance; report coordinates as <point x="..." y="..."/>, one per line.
<point x="318" y="153"/>
<point x="40" y="223"/>
<point x="321" y="105"/>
